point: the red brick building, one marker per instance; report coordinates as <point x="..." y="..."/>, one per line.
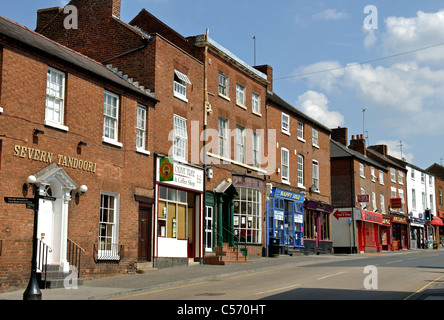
<point x="364" y="180"/>
<point x="70" y="122"/>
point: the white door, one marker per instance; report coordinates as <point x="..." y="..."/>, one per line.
<point x="209" y="228"/>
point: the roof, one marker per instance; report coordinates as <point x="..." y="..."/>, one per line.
<point x="49" y="47"/>
<point x="281" y="102"/>
<point x="338" y="150"/>
<point x="437" y="170"/>
<point x="385" y="159"/>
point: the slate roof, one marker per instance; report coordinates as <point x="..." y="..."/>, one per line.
<point x="49" y="47"/>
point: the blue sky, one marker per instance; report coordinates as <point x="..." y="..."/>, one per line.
<point x="320" y="53"/>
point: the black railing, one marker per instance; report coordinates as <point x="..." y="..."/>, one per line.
<point x="234" y="244"/>
<point x="42" y="258"/>
<point x="74" y="255"/>
<point x="108" y="252"/>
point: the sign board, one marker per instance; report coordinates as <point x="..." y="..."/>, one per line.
<point x="342" y="213"/>
<point x="363" y="198"/>
<point x="19" y="200"/>
<point x="181" y="175"/>
<point x="395" y="203"/>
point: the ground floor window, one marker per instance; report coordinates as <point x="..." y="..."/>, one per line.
<point x="173" y="217"/>
<point x="317" y="225"/>
<point x="247" y="215"/>
<point x="108" y="247"/>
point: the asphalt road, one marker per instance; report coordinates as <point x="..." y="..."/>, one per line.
<point x="372" y="277"/>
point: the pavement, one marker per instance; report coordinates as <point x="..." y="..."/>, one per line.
<point x="109" y="288"/>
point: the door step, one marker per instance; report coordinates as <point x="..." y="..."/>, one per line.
<point x="56" y="278"/>
<point x="145" y="267"/>
<point x="226" y="255"/>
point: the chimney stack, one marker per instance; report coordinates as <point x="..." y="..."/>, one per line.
<point x="381" y="148"/>
<point x="358" y="144"/>
<point x="340" y="135"/>
<point x="269" y="72"/>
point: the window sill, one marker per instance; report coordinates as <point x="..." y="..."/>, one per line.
<point x="241" y="106"/>
<point x="256" y="113"/>
<point x="143" y="151"/>
<point x="285" y="182"/>
<point x="56" y="125"/>
<point x="224" y="97"/>
<point x="180" y="97"/>
<point x="112" y="142"/>
<point x="301" y="139"/>
<point x="315" y="146"/>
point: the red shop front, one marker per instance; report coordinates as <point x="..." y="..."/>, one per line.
<point x="368" y="224"/>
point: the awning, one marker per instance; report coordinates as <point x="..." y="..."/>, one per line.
<point x="436" y="221"/>
<point x="182" y="77"/>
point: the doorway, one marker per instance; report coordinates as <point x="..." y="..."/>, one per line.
<point x="145" y="227"/>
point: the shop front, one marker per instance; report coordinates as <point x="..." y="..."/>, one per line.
<point x="368" y="227"/>
<point x="178" y="231"/>
<point x="317" y="223"/>
<point x="417" y="233"/>
<point x="385" y="234"/>
<point x="285" y="220"/>
<point x="400" y="225"/>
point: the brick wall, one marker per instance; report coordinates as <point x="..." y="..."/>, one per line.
<point x="118" y="170"/>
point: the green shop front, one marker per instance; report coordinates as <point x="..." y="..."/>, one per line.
<point x="285" y="222"/>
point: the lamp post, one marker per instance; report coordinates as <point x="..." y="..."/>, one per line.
<point x="32" y="291"/>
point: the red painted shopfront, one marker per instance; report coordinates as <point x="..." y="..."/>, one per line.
<point x="368" y="225"/>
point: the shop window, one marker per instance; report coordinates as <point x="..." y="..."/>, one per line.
<point x="173" y="218"/>
<point x="247" y="215"/>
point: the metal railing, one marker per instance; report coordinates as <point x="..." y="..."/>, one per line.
<point x="42" y="258"/>
<point x="74" y="254"/>
<point x="234" y="244"/>
<point x="108" y="251"/>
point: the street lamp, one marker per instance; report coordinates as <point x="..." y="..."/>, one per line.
<point x="32" y="291"/>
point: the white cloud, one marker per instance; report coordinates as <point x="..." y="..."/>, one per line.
<point x="325" y="80"/>
<point x="315" y="105"/>
<point x="330" y="14"/>
<point x="406" y="34"/>
<point x="394" y="149"/>
<point x="370" y="38"/>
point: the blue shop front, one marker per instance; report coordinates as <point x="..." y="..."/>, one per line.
<point x="285" y="221"/>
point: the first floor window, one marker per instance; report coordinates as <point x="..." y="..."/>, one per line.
<point x="381" y="197"/>
<point x="111" y="116"/>
<point x="285" y="123"/>
<point x="247" y="215"/>
<point x="240" y="94"/>
<point x="223" y="84"/>
<point x="141" y="127"/>
<point x="315" y="182"/>
<point x="55" y="96"/>
<point x="285" y="165"/>
<point x="240" y="144"/>
<point x="315" y="137"/>
<point x="108" y="247"/>
<point x="256" y="149"/>
<point x="256" y="103"/>
<point x="300" y="170"/>
<point x="224" y="146"/>
<point x="180" y="137"/>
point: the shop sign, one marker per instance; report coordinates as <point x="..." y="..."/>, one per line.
<point x="395" y="203"/>
<point x="48" y="157"/>
<point x="288" y="195"/>
<point x="371" y="216"/>
<point x="398" y="219"/>
<point x="180" y="175"/>
<point x="247" y="182"/>
<point x="363" y="198"/>
<point x="386" y="221"/>
<point x="417" y="220"/>
<point x="342" y="213"/>
<point x="314" y="205"/>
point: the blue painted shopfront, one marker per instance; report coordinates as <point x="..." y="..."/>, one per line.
<point x="285" y="219"/>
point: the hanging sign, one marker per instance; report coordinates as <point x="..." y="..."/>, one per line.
<point x="180" y="175"/>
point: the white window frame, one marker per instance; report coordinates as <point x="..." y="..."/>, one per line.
<point x="401" y="195"/>
<point x="55" y="92"/>
<point x="111" y="119"/>
<point x="315" y="137"/>
<point x="256" y="103"/>
<point x="285" y="123"/>
<point x="361" y="170"/>
<point x="315" y="175"/>
<point x="223" y="138"/>
<point x="400" y="177"/>
<point x="374" y="200"/>
<point x="372" y="171"/>
<point x="240" y="144"/>
<point x="285" y="165"/>
<point x="300" y="171"/>
<point x="301" y="131"/>
<point x="256" y="149"/>
<point x="112" y="253"/>
<point x="180" y="137"/>
<point x="241" y="95"/>
<point x="381" y="177"/>
<point x="180" y="85"/>
<point x="141" y="129"/>
<point x="414" y="199"/>
<point x="223" y="85"/>
<point x="382" y="202"/>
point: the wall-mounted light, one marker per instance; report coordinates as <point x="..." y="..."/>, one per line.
<point x="82" y="190"/>
<point x="37" y="131"/>
<point x="81" y="143"/>
<point x="31" y="180"/>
